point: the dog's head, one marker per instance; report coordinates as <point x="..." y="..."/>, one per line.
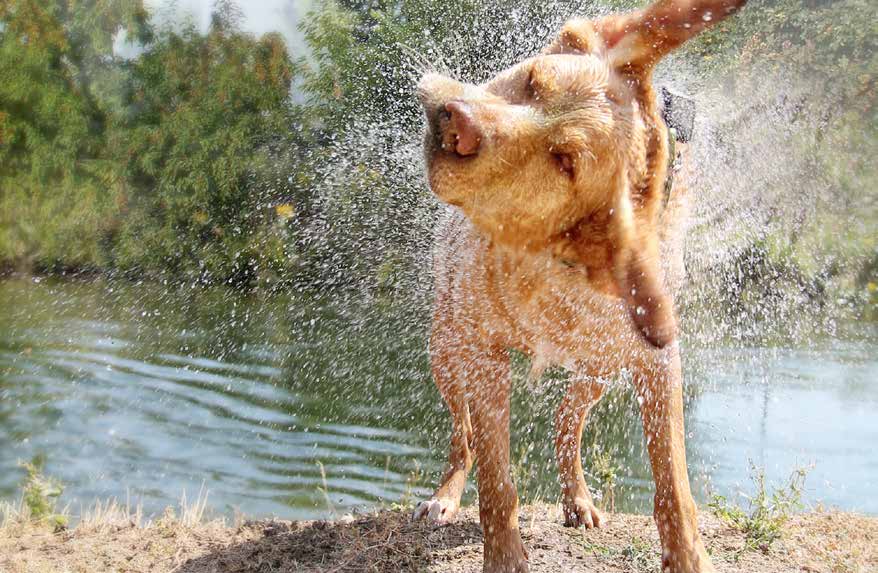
<point x="567" y="143"/>
<point x="526" y="154"/>
<point x="529" y="153"/>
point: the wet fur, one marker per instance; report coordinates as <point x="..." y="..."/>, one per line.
<point x="561" y="247"/>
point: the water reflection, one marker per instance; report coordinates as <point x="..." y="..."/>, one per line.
<point x="270" y="400"/>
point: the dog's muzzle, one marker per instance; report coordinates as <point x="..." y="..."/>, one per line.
<point x="452" y="121"/>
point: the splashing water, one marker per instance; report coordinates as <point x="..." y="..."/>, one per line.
<point x="158" y="390"/>
<point x="769" y="205"/>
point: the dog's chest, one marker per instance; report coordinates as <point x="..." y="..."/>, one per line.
<point x="559" y="318"/>
<point x="536" y="304"/>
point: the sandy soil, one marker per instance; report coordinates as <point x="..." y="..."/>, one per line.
<point x="389" y="541"/>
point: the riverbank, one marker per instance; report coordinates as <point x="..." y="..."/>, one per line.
<point x="116" y="541"/>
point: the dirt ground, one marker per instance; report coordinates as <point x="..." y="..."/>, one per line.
<point x="389" y="542"/>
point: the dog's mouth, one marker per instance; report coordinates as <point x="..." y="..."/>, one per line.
<point x="435" y="149"/>
<point x="449" y="152"/>
<point x="443" y="170"/>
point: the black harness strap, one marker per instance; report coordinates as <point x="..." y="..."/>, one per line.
<point x="678" y="113"/>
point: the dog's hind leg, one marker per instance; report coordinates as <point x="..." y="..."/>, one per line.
<point x="446" y="359"/>
<point x="659" y="387"/>
<point x="579" y="508"/>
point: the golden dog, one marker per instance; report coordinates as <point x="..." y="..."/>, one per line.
<point x="564" y="249"/>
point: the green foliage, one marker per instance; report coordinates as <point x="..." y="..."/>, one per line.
<point x="200" y="114"/>
<point x="158" y="165"/>
<point x="55" y="184"/>
<point x="192" y="160"/>
<point x="813" y="243"/>
<point x="831" y="43"/>
<point x="762" y="523"/>
<point x="40" y="495"/>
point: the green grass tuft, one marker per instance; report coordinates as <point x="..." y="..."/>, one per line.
<point x="762" y="522"/>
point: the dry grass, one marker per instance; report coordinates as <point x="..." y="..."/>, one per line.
<point x="102" y="516"/>
<point x="12" y="514"/>
<point x="192" y="514"/>
<point x="108" y="515"/>
<point x="115" y="537"/>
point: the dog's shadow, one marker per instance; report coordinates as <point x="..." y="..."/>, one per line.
<point x="385" y="541"/>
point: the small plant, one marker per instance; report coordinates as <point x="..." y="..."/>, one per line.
<point x="640" y="556"/>
<point x="413" y="481"/>
<point x="324" y="489"/>
<point x="40" y="495"/>
<point x="607" y="474"/>
<point x="763" y="522"/>
<point x="597" y="549"/>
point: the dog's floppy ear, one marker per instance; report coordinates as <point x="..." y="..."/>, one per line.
<point x="637" y="273"/>
<point x="637" y="276"/>
<point x="636" y="41"/>
<point x="648" y="302"/>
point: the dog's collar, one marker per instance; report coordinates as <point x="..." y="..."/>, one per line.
<point x="678" y="113"/>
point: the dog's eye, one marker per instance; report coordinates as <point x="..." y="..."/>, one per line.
<point x="564" y="162"/>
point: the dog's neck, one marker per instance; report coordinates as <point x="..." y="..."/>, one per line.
<point x="590" y="244"/>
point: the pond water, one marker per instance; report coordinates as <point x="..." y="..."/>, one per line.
<point x="285" y="405"/>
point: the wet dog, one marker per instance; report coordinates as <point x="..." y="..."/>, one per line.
<point x="566" y="246"/>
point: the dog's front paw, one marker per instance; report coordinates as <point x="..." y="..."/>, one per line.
<point x="440" y="510"/>
<point x="581" y="512"/>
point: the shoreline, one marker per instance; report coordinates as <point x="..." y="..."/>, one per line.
<point x="112" y="539"/>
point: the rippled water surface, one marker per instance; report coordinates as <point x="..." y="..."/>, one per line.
<point x="290" y="406"/>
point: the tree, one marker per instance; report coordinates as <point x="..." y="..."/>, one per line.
<point x="199" y="114"/>
<point x="55" y="182"/>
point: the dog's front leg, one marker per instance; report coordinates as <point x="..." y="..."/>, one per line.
<point x="579" y="508"/>
<point x="447" y="362"/>
<point x="488" y="386"/>
<point x="660" y="389"/>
